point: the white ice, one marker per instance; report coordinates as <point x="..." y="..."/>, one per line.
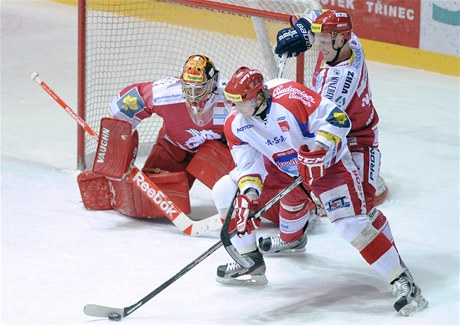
<point x="56" y="256"/>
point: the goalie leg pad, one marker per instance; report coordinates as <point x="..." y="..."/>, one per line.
<point x="165" y="156"/>
<point x="211" y="162"/>
<point x="94" y="191"/>
<point x="117" y="149"/>
<point x="131" y="202"/>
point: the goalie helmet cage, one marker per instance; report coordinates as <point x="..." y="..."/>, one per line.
<point x="122" y="42"/>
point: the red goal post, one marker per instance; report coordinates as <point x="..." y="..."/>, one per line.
<point x="121" y="42"/>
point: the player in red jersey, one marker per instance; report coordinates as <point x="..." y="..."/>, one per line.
<point x="190" y="144"/>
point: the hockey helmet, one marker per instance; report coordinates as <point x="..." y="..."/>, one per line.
<point x="243" y="89"/>
<point x="244" y="85"/>
<point x="333" y="22"/>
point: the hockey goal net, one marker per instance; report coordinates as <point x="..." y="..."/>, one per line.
<point x="125" y="41"/>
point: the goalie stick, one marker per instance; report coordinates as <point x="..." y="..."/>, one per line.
<point x="225" y="235"/>
<point x="95" y="310"/>
<point x="144" y="184"/>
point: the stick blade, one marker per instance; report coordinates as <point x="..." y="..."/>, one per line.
<point x="95" y="310"/>
<point x="200" y="227"/>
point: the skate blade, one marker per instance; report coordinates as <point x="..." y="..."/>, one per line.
<point x="284" y="252"/>
<point x="417" y="304"/>
<point x="244" y="280"/>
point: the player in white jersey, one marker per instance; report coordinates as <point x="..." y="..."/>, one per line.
<point x="302" y="133"/>
<point x="341" y="76"/>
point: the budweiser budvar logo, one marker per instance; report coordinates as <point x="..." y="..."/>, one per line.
<point x="294" y="93"/>
<point x="157" y="197"/>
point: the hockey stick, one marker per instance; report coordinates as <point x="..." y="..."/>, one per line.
<point x="282" y="64"/>
<point x="119" y="313"/>
<point x="225" y="235"/>
<point x="95" y="310"/>
<point x="144" y="184"/>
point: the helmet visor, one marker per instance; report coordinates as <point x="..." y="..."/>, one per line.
<point x="245" y="108"/>
<point x="196" y="92"/>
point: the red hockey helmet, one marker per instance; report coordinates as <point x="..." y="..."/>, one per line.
<point x="333" y="22"/>
<point x="244" y="85"/>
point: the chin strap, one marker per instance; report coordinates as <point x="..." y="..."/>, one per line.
<point x="336" y="54"/>
<point x="332" y="62"/>
<point x="263" y="114"/>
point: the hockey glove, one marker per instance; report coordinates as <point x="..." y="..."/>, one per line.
<point x="310" y="165"/>
<point x="117" y="149"/>
<point x="294" y="40"/>
<point x="244" y="207"/>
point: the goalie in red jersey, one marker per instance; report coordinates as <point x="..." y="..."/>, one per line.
<point x="189" y="146"/>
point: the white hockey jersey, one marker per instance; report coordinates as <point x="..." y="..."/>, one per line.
<point x="347" y="85"/>
<point x="296" y="115"/>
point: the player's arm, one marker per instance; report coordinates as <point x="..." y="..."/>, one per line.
<point x="333" y="126"/>
<point x="133" y="103"/>
<point x="298" y="38"/>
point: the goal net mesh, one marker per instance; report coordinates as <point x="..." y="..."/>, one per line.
<point x="128" y="41"/>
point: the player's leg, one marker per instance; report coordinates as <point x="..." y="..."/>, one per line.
<point x="233" y="273"/>
<point x="340" y="192"/>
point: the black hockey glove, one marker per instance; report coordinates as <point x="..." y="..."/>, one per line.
<point x="294" y="40"/>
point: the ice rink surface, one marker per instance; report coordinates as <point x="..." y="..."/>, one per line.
<point x="56" y="256"/>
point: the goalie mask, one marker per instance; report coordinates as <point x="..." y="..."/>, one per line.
<point x="243" y="89"/>
<point x="199" y="82"/>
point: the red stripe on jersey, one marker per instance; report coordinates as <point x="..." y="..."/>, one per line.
<point x="376" y="248"/>
<point x="232" y="140"/>
<point x="379" y="222"/>
<point x="323" y="82"/>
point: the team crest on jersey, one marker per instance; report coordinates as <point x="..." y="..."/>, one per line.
<point x="338" y="118"/>
<point x="199" y="137"/>
<point x="131" y="103"/>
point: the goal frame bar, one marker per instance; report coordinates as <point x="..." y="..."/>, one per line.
<point x="81" y="73"/>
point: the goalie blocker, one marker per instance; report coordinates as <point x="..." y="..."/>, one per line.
<point x="99" y="192"/>
<point x="116" y="150"/>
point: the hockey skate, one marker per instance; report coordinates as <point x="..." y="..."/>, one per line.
<point x="234" y="273"/>
<point x="313" y="221"/>
<point x="274" y="245"/>
<point x="409" y="295"/>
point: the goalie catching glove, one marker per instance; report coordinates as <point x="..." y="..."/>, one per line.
<point x="310" y="165"/>
<point x="245" y="205"/>
<point x="296" y="39"/>
<point x="117" y="149"/>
